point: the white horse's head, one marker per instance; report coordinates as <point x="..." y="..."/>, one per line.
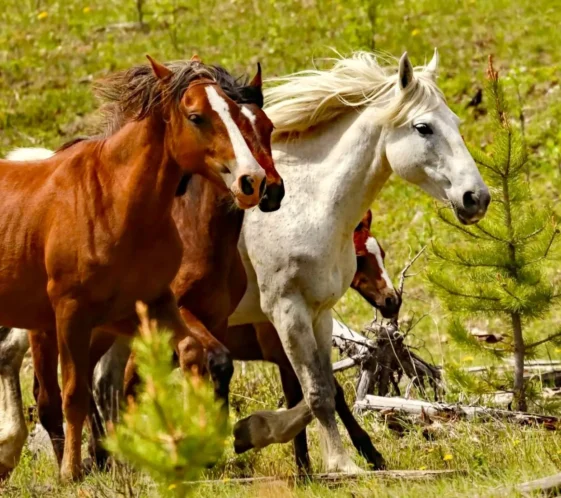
<point x="427" y="149"/>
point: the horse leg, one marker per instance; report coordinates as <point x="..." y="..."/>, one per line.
<point x="100" y="344"/>
<point x="45" y="386"/>
<point x="311" y="360"/>
<point x="272" y="350"/>
<point x="360" y="438"/>
<point x="73" y="334"/>
<point x="219" y="361"/>
<point x="13" y="429"/>
<point x="109" y="378"/>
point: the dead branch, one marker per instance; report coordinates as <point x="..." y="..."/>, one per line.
<point x="444" y="410"/>
<point x="403" y="275"/>
<point x="338" y="477"/>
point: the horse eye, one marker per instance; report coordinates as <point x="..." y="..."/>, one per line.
<point x="195" y="119"/>
<point x="423" y="129"/>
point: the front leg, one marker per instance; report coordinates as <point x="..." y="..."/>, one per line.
<point x="186" y="327"/>
<point x="311" y="361"/>
<point x="74" y="328"/>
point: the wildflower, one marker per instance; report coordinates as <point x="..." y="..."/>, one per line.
<point x="42" y="15"/>
<point x="415" y="32"/>
<point x="468" y="358"/>
<point x="447" y="457"/>
<point x="424" y="467"/>
<point x="86" y="10"/>
<point x="172" y="486"/>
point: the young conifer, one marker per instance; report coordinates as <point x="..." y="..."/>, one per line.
<point x="497" y="268"/>
<point x="176" y="429"/>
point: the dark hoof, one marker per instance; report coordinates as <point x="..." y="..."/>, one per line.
<point x="374" y="458"/>
<point x="242" y="436"/>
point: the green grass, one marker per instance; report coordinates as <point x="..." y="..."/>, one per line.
<point x="50" y="51"/>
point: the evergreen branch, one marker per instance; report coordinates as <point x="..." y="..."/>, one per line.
<point x="498" y="239"/>
<point x="533" y="234"/>
<point x="454" y="225"/>
<point x="542" y="341"/>
<point x="467" y="296"/>
<point x="462" y="262"/>
<point x="505" y="288"/>
<point x="548" y="248"/>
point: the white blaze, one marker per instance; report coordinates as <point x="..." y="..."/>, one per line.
<point x="249" y="115"/>
<point x="373" y="248"/>
<point x="244" y="157"/>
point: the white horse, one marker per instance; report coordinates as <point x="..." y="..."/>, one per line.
<point x="339" y="134"/>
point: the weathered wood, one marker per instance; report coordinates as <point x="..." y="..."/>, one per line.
<point x="546" y="486"/>
<point x="418" y="407"/>
<point x="550" y="485"/>
<point x="337" y="477"/>
<point x="383" y="359"/>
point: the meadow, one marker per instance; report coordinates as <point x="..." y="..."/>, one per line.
<point x="51" y="52"/>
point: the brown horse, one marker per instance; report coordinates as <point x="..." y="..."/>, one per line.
<point x="88" y="232"/>
<point x="261" y="342"/>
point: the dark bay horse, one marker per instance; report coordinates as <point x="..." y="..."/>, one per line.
<point x="88" y="232"/>
<point x="261" y="342"/>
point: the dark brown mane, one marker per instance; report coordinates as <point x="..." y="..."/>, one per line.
<point x="136" y="93"/>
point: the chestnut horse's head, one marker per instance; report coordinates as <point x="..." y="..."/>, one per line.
<point x="204" y="136"/>
<point x="371" y="279"/>
<point x="258" y="133"/>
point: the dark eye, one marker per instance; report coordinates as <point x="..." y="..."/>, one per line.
<point x="423" y="128"/>
<point x="195" y="119"/>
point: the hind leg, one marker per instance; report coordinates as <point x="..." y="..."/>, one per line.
<point x="46" y="388"/>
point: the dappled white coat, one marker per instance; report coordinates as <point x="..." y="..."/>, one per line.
<point x="300" y="260"/>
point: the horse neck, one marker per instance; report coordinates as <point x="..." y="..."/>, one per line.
<point x="208" y="215"/>
<point x="143" y="169"/>
<point x="343" y="164"/>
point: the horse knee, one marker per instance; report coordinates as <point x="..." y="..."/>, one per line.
<point x="321" y="404"/>
<point x="191" y="356"/>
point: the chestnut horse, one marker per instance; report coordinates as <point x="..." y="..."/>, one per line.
<point x="89" y="231"/>
<point x="211" y="278"/>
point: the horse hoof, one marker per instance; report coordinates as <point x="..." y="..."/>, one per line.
<point x="242" y="436"/>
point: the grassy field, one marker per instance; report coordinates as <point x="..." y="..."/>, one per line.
<point x="51" y="51"/>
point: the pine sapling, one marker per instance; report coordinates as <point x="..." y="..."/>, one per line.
<point x="498" y="268"/>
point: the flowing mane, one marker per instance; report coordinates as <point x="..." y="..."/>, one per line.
<point x="308" y="98"/>
<point x="136" y="93"/>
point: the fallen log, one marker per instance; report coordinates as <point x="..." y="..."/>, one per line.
<point x="444" y="410"/>
<point x="337" y="477"/>
<point x="546" y="486"/>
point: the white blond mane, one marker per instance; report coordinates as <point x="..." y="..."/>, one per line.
<point x="308" y="98"/>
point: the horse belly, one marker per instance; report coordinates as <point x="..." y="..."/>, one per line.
<point x="24" y="302"/>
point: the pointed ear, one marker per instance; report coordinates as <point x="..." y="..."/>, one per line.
<point x="196" y="58"/>
<point x="257" y="80"/>
<point x="367" y="219"/>
<point x="405" y="74"/>
<point x="432" y="67"/>
<point x="161" y="71"/>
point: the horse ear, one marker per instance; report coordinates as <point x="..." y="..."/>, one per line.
<point x="432" y="67"/>
<point x="257" y="80"/>
<point x="196" y="58"/>
<point x="367" y="219"/>
<point x="161" y="71"/>
<point x="405" y="73"/>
